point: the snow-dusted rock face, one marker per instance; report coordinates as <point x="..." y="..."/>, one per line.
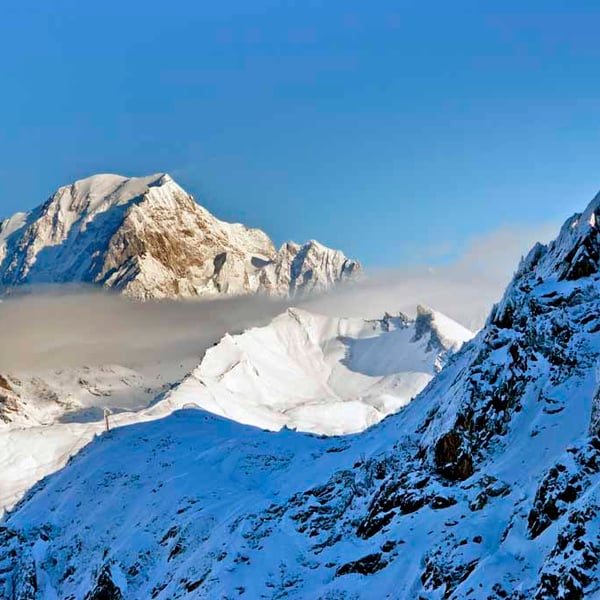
<point x="487" y="485"/>
<point x="311" y="267"/>
<point x="321" y="374"/>
<point x="148" y="238"/>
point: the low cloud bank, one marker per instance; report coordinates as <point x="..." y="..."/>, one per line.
<point x="64" y="328"/>
<point x="52" y="329"/>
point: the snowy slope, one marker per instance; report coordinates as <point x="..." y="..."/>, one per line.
<point x="321" y="374"/>
<point x="487" y="485"/>
<point x="148" y="238"/>
<point x="303" y="371"/>
<point x="46" y="416"/>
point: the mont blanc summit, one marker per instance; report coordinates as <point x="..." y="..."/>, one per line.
<point x="148" y="238"/>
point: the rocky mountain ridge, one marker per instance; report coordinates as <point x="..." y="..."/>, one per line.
<point x="148" y="238"/>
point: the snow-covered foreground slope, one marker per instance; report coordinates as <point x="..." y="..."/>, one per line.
<point x="148" y="238"/>
<point x="321" y="374"/>
<point x="47" y="416"/>
<point x="313" y="373"/>
<point x="487" y="485"/>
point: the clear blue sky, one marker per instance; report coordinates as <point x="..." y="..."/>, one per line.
<point x="391" y="129"/>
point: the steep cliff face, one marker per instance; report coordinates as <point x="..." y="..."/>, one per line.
<point x="148" y="238"/>
<point x="487" y="485"/>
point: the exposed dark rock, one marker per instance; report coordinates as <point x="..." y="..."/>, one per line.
<point x="391" y="498"/>
<point x="190" y="586"/>
<point x="373" y="524"/>
<point x="388" y="546"/>
<point x="491" y="488"/>
<point x="438" y="502"/>
<point x="562" y="486"/>
<point x="582" y="261"/>
<point x="105" y="588"/>
<point x="4" y="384"/>
<point x="571" y="568"/>
<point x="367" y="565"/>
<point x="438" y="573"/>
<point x="451" y="459"/>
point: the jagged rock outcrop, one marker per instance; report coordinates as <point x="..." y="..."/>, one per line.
<point x="148" y="238"/>
<point x="443" y="335"/>
<point x="9" y="400"/>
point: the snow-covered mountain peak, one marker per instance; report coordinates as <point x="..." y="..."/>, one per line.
<point x="310" y="372"/>
<point x="100" y="192"/>
<point x="589" y="217"/>
<point x="444" y="333"/>
<point x="147" y="237"/>
<point x="573" y="255"/>
<point x="309" y="267"/>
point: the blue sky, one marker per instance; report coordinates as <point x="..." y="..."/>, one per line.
<point x="399" y="131"/>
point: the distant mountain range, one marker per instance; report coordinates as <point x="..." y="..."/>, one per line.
<point x="149" y="239"/>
